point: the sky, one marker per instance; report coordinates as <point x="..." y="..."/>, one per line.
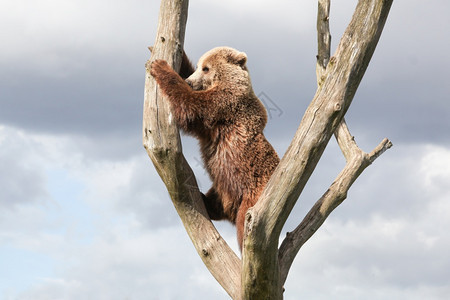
<point x="84" y="215"/>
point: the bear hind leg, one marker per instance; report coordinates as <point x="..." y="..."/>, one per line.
<point x="214" y="205"/>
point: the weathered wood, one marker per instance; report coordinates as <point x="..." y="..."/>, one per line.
<point x="264" y="268"/>
<point x="357" y="161"/>
<point x="162" y="142"/>
<point x="323" y="39"/>
<point x="261" y="278"/>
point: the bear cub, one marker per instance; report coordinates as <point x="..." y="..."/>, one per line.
<point x="216" y="104"/>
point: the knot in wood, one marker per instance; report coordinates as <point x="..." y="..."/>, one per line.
<point x="205" y="252"/>
<point x="337" y="106"/>
<point x="248" y="217"/>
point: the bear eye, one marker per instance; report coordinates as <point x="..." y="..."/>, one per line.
<point x="205" y="69"/>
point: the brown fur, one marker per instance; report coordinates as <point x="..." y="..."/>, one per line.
<point x="217" y="105"/>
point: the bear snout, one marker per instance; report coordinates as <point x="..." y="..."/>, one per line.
<point x="194" y="84"/>
<point x="190" y="83"/>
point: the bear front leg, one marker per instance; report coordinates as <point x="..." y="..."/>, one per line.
<point x="188" y="107"/>
<point x="176" y="90"/>
<point x="168" y="80"/>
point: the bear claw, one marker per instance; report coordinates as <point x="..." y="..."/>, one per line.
<point x="158" y="66"/>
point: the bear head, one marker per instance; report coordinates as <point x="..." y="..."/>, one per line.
<point x="221" y="67"/>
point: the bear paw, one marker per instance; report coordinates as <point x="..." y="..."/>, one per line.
<point x="159" y="67"/>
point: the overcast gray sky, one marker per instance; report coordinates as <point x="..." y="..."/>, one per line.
<point x="83" y="214"/>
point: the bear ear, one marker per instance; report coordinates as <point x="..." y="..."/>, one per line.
<point x="240" y="58"/>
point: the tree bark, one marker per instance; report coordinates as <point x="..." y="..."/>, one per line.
<point x="323" y="39"/>
<point x="357" y="160"/>
<point x="340" y="81"/>
<point x="162" y="142"/>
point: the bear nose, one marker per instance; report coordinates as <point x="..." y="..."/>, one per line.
<point x="189" y="82"/>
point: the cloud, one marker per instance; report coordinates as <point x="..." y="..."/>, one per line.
<point x="22" y="179"/>
<point x="84" y="71"/>
<point x="132" y="267"/>
<point x="70" y="69"/>
<point x="106" y="228"/>
<point x="372" y="244"/>
<point x="379" y="257"/>
<point x="56" y="38"/>
<point x="381" y="252"/>
<point x="380" y="243"/>
<point x="79" y="193"/>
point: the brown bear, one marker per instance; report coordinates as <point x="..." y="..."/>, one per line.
<point x="217" y="105"/>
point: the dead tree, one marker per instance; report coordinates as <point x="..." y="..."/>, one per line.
<point x="264" y="266"/>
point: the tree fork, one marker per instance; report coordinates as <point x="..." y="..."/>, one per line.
<point x="264" y="268"/>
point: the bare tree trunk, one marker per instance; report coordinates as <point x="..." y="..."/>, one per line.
<point x="340" y="81"/>
<point x="264" y="267"/>
<point x="162" y="142"/>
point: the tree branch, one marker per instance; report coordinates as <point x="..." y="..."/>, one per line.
<point x="323" y="39"/>
<point x="341" y="79"/>
<point x="162" y="142"/>
<point x="357" y="161"/>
